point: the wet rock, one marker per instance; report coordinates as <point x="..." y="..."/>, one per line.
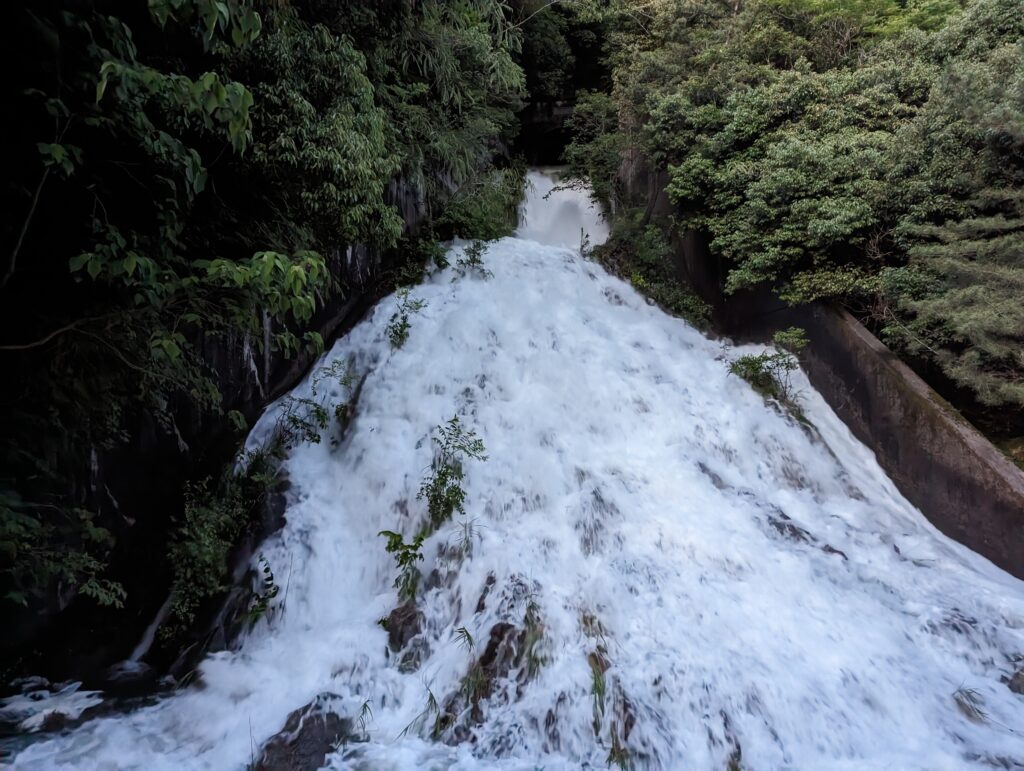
<point x="960" y="622"/>
<point x="500" y="652"/>
<point x="482" y="602"/>
<point x="130" y="678"/>
<point x="437" y="579"/>
<point x="553" y="738"/>
<point x="829" y="549"/>
<point x="413" y="655"/>
<point x="1016" y="683"/>
<point x="54" y="721"/>
<point x="47" y="709"/>
<point x="591" y="625"/>
<point x="509" y="649"/>
<point x="308" y="736"/>
<point x="598" y="660"/>
<point x="345" y="412"/>
<point x="29" y="684"/>
<point x="404" y="623"/>
<point x="786" y="527"/>
<point x="716" y="480"/>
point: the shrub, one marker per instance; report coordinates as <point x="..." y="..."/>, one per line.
<point x="471" y="261"/>
<point x="595" y="152"/>
<point x="644" y="255"/>
<point x="399" y="326"/>
<point x="442" y="488"/>
<point x="769" y="372"/>
<point x="823" y="146"/>
<point x="213" y="518"/>
<point x="406" y="557"/>
<point x="485" y="207"/>
<point x="443" y="491"/>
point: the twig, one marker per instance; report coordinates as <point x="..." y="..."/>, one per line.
<point x="24" y="229"/>
<point x="539" y="10"/>
<point x="252" y="747"/>
<point x="32" y="210"/>
<point x="45" y="340"/>
<point x="287" y="582"/>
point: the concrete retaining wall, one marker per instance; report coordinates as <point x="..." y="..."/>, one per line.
<point x="943" y="465"/>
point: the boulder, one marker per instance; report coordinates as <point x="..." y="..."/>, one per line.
<point x="309" y="735"/>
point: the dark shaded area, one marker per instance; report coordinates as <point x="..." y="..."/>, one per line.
<point x="81" y="640"/>
<point x="561" y="56"/>
<point x="91" y="449"/>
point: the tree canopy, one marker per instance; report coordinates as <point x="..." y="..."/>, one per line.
<point x="868" y="152"/>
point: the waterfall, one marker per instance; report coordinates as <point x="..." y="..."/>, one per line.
<point x="655" y="568"/>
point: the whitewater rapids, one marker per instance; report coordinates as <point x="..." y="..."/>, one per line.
<point x="715" y="585"/>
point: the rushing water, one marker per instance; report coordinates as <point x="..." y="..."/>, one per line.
<point x="702" y="579"/>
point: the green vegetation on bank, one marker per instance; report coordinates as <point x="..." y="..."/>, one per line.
<point x="870" y="152"/>
<point x="641" y="254"/>
<point x="184" y="178"/>
<point x="770" y="372"/>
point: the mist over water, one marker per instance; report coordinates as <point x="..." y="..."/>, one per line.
<point x="704" y="580"/>
<point x="553" y="213"/>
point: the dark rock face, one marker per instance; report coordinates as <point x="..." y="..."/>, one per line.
<point x="509" y="649"/>
<point x="308" y="736"/>
<point x="404" y="626"/>
<point x="404" y="623"/>
<point x="501" y="652"/>
<point x="137" y="489"/>
<point x="543" y="133"/>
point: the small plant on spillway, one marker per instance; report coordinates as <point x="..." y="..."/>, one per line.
<point x="471" y="261"/>
<point x="970" y="704"/>
<point x="770" y="372"/>
<point x="305" y="418"/>
<point x="442" y="489"/>
<point x="618" y="755"/>
<point x="406" y="557"/>
<point x="465" y="639"/>
<point x="365" y="716"/>
<point x="399" y="325"/>
<point x="432" y="708"/>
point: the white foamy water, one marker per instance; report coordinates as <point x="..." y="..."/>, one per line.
<point x="560" y="216"/>
<point x="754" y="591"/>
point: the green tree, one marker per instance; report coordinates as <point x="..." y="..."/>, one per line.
<point x="183" y="176"/>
